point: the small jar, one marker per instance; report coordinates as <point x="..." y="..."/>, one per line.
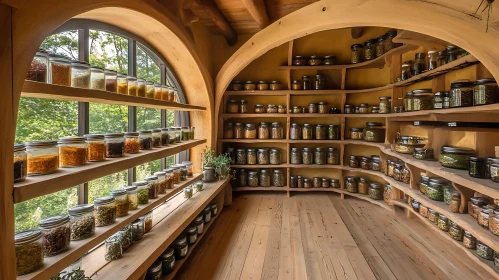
<point x="192" y="234"/>
<point x="423" y="154"/>
<point x="476" y="205"/>
<point x="307" y="156"/>
<point x="275" y="85"/>
<point x="154" y="272"/>
<point x="149" y="89"/>
<point x="441" y="100"/>
<point x="241" y="157"/>
<point x="251" y="156"/>
<point x="238" y="131"/>
<point x="322" y="107"/>
<point x="113" y="249"/>
<point x="484" y="251"/>
<point x="375" y="110"/>
<point x="132" y="197"/>
<point x="146" y="139"/>
<point x="364" y="108"/>
<point x="20" y="163"/>
<point x="252" y="179"/>
<point x="277" y="131"/>
<point x="56" y="234"/>
<point x="314" y="60"/>
<point x="295" y="156"/>
<point x="307" y="183"/>
<point x="485" y="92"/>
<point x="494" y="221"/>
<point x="275" y="156"/>
<point x="297" y="109"/>
<point x="387" y="194"/>
<point x="188" y="192"/>
<point x="214" y="209"/>
<point x="329" y="60"/>
<point x="165" y="137"/>
<point x="376" y="191"/>
<point x="29" y="251"/>
<point x="461" y="94"/>
<point x="405" y="175"/>
<point x="363" y="185"/>
<point x="353" y="162"/>
<point x="370" y="49"/>
<point x="419" y="65"/>
<point x="357" y="53"/>
<point x="325" y="183"/>
<point x="320" y="156"/>
<point x="385" y="105"/>
<point x="333" y="156"/>
<point x="335" y="183"/>
<point x="262" y="85"/>
<point x="455" y="202"/>
<point x="316" y="183"/>
<point x="380" y="46"/>
<point x="423" y="210"/>
<point x="260" y="109"/>
<point x="165" y="92"/>
<point x="104" y="211"/>
<point x="264" y="178"/>
<point x="374" y="132"/>
<point x="321" y="132"/>
<point x="115" y="145"/>
<point x="42" y="157"/>
<point x="432" y="216"/>
<point x="390" y="167"/>
<point x="153" y="186"/>
<point x="236" y="85"/>
<point x="351" y="184"/>
<point x="455" y="231"/>
<point x="484" y="215"/>
<point x="137" y="229"/>
<point x="250" y="131"/>
<point x="199" y="224"/>
<point x="299" y="181"/>
<point x="319" y="82"/>
<point x="249" y="85"/>
<point x="181" y="246"/>
<point x="443" y="222"/>
<point x="157" y="91"/>
<point x="299" y="60"/>
<point x="356" y="133"/>
<point x="477" y="167"/>
<point x="293" y="183"/>
<point x="59" y="70"/>
<point x="312" y="108"/>
<point x="281" y="109"/>
<point x="243" y="107"/>
<point x="398" y="109"/>
<point x="296" y="85"/>
<point x="121" y="202"/>
<point x="389" y="44"/>
<point x="375" y="163"/>
<point x="365" y="163"/>
<point x="333" y="132"/>
<point x="306" y="83"/>
<point x="263" y="131"/>
<point x="408" y="101"/>
<point x="406" y="72"/>
<point x="229" y="131"/>
<point x="241" y="178"/>
<point x="232" y="107"/>
<point x="349" y="109"/>
<point x="469" y="241"/>
<point x="278" y="178"/>
<point x="263" y="156"/>
<point x="422" y="99"/>
<point x="432" y="60"/>
<point x="307" y="132"/>
<point x="142" y="191"/>
<point x="455" y="157"/>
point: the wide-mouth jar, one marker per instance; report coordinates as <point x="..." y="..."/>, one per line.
<point x="29" y="251"/>
<point x="38" y="69"/>
<point x="363" y="185"/>
<point x="356" y="133"/>
<point x="122" y="84"/>
<point x="422" y="99"/>
<point x="132" y="197"/>
<point x="455" y="157"/>
<point x="423" y="154"/>
<point x="43" y="157"/>
<point x="146" y="139"/>
<point x="104" y="211"/>
<point x="97" y="78"/>
<point x="376" y="191"/>
<point x="82" y="221"/>
<point x="299" y="60"/>
<point x="477" y="167"/>
<point x="275" y="85"/>
<point x="72" y="151"/>
<point x="357" y="53"/>
<point x="485" y="92"/>
<point x="236" y="85"/>
<point x="149" y="89"/>
<point x="59" y="70"/>
<point x="181" y="246"/>
<point x="461" y="94"/>
<point x="249" y="85"/>
<point x="121" y="202"/>
<point x="115" y="145"/>
<point x="56" y="234"/>
<point x="314" y="60"/>
<point x="329" y="60"/>
<point x="374" y="132"/>
<point x="385" y="105"/>
<point x="351" y="184"/>
<point x="80" y="74"/>
<point x="96" y="150"/>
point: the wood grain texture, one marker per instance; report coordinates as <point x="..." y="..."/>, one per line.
<point x="212" y="10"/>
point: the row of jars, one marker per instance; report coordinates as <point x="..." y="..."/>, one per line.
<point x="178" y="250"/>
<point x="317" y="82"/>
<point x="316" y="182"/>
<point x="429" y="61"/>
<point x="385" y="107"/>
<point x="461" y="94"/>
<point x="260" y="178"/>
<point x="315" y="108"/>
<point x="375" y="190"/>
<point x="373" y="132"/>
<point x="250" y="131"/>
<point x="45" y="157"/>
<point x="486" y="212"/>
<point x="313" y="60"/>
<point x="60" y="70"/>
<point x="251" y="85"/>
<point x="440" y="189"/>
<point x="373" y="48"/>
<point x="319" y="155"/>
<point x="456" y="232"/>
<point x="241" y="107"/>
<point x="314" y="132"/>
<point x="261" y="156"/>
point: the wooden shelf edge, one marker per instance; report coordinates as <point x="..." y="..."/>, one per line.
<point x="65" y="178"/>
<point x="55" y="264"/>
<point x="256" y="189"/>
<point x="49" y="91"/>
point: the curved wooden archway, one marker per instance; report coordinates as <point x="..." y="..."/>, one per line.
<point x="448" y="20"/>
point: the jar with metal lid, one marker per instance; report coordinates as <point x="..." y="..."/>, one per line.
<point x="275" y="156"/>
<point x="435" y="191"/>
<point x="443" y="222"/>
<point x="157" y="91"/>
<point x="188" y="192"/>
<point x="374" y="132"/>
<point x="484" y="251"/>
<point x="391" y="167"/>
<point x="97" y="78"/>
<point x="333" y="156"/>
<point x="375" y="164"/>
<point x="385" y="105"/>
<point x="319" y="82"/>
<point x="423" y="184"/>
<point x="232" y="107"/>
<point x="320" y="156"/>
<point x="423" y="210"/>
<point x="405" y="175"/>
<point x="29" y="251"/>
<point x="455" y="157"/>
<point x="153" y="186"/>
<point x="271" y="109"/>
<point x="249" y="85"/>
<point x="299" y="181"/>
<point x="277" y="132"/>
<point x="494" y="222"/>
<point x="370" y="49"/>
<point x="453" y="53"/>
<point x="374" y="109"/>
<point x="357" y="54"/>
<point x="104" y="211"/>
<point x="461" y="94"/>
<point x="146" y="139"/>
<point x="329" y="60"/>
<point x="477" y="167"/>
<point x="252" y="179"/>
<point x="321" y="132"/>
<point x="312" y="108"/>
<point x="241" y="156"/>
<point x="307" y="132"/>
<point x="142" y="191"/>
<point x="455" y="231"/>
<point x="296" y="85"/>
<point x="181" y="246"/>
<point x="349" y="109"/>
<point x="307" y="156"/>
<point x="389" y="44"/>
<point x="492" y="170"/>
<point x="238" y="131"/>
<point x="432" y="216"/>
<point x="96" y="149"/>
<point x="432" y="60"/>
<point x="322" y="107"/>
<point x="263" y="131"/>
<point x="398" y="109"/>
<point x="316" y="183"/>
<point x="132" y="197"/>
<point x="365" y="163"/>
<point x="376" y="191"/>
<point x="351" y="184"/>
<point x="155" y="271"/>
<point x="250" y="131"/>
<point x="419" y="65"/>
<point x="387" y="193"/>
<point x="299" y="60"/>
<point x="325" y="183"/>
<point x="59" y="70"/>
<point x="82" y="221"/>
<point x="241" y="178"/>
<point x="415" y="205"/>
<point x="264" y="178"/>
<point x="406" y="72"/>
<point x="306" y="83"/>
<point x="243" y="107"/>
<point x="314" y="60"/>
<point x="20" y="163"/>
<point x="397" y="171"/>
<point x="114" y="250"/>
<point x="469" y="241"/>
<point x="42" y="157"/>
<point x="214" y="209"/>
<point x="281" y="109"/>
<point x="262" y="85"/>
<point x="56" y="234"/>
<point x="278" y="178"/>
<point x="199" y="224"/>
<point x="484" y="215"/>
<point x="356" y="133"/>
<point x="476" y="206"/>
<point x="364" y="108"/>
<point x="335" y="183"/>
<point x="333" y="132"/>
<point x="455" y="202"/>
<point x="115" y="145"/>
<point x="408" y="101"/>
<point x="441" y="100"/>
<point x="121" y="202"/>
<point x="263" y="156"/>
<point x="485" y="92"/>
<point x="295" y="156"/>
<point x="192" y="234"/>
<point x="275" y="85"/>
<point x="132" y="86"/>
<point x="307" y="183"/>
<point x="80" y="74"/>
<point x="422" y="99"/>
<point x="380" y="46"/>
<point x="353" y="162"/>
<point x="236" y="85"/>
<point x="441" y="58"/>
<point x="363" y="185"/>
<point x="137" y="228"/>
<point x="423" y="154"/>
<point x="259" y="109"/>
<point x="293" y="183"/>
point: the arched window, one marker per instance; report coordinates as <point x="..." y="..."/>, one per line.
<point x="109" y="47"/>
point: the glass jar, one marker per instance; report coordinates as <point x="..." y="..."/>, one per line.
<point x="422" y="99"/>
<point x="188" y="167"/>
<point x="38" y="69"/>
<point x="278" y="178"/>
<point x="387" y="194"/>
<point x="192" y="234"/>
<point x="56" y="234"/>
<point x="316" y="183"/>
<point x="443" y="222"/>
<point x="320" y="132"/>
<point x="259" y="109"/>
<point x="132" y="197"/>
<point x="104" y="211"/>
<point x="380" y="46"/>
<point x="236" y="85"/>
<point x="263" y="131"/>
<point x="476" y="206"/>
<point x="307" y="183"/>
<point x="252" y="179"/>
<point x="183" y="171"/>
<point x="293" y="183"/>
<point x="385" y="105"/>
<point x="137" y="229"/>
<point x="363" y="108"/>
<point x="262" y="85"/>
<point x="333" y="132"/>
<point x="121" y="202"/>
<point x="111" y="80"/>
<point x="432" y="60"/>
<point x="397" y="171"/>
<point x="296" y="85"/>
<point x="320" y="156"/>
<point x="249" y="85"/>
<point x="157" y="91"/>
<point x="455" y="202"/>
<point x="241" y="178"/>
<point x="485" y="92"/>
<point x="335" y="183"/>
<point x="241" y="157"/>
<point x="375" y="163"/>
<point x="238" y="131"/>
<point x="484" y="215"/>
<point x="199" y="224"/>
<point x="115" y="145"/>
<point x="80" y="74"/>
<point x="299" y="181"/>
<point x="250" y="131"/>
<point x="435" y="191"/>
<point x="419" y="64"/>
<point x="357" y="53"/>
<point x="20" y="163"/>
<point x="453" y="53"/>
<point x="96" y="147"/>
<point x="154" y="272"/>
<point x="295" y="132"/>
<point x="165" y="137"/>
<point x="329" y="60"/>
<point x="113" y="249"/>
<point x="59" y="70"/>
<point x="351" y="184"/>
<point x="349" y="109"/>
<point x="333" y="156"/>
<point x="149" y="90"/>
<point x="494" y="222"/>
<point x="142" y="191"/>
<point x="484" y="251"/>
<point x="264" y="178"/>
<point x="441" y="100"/>
<point x="319" y="82"/>
<point x="314" y="60"/>
<point x="97" y="78"/>
<point x="370" y="49"/>
<point x="406" y="72"/>
<point x="277" y="131"/>
<point x="455" y="157"/>
<point x="353" y="162"/>
<point x="185" y="132"/>
<point x="391" y="167"/>
<point x="188" y="192"/>
<point x="423" y="210"/>
<point x="207" y="214"/>
<point x="308" y="132"/>
<point x="295" y="156"/>
<point x="325" y="183"/>
<point x="132" y="85"/>
<point x="29" y="251"/>
<point x="306" y="83"/>
<point x="441" y="58"/>
<point x="145" y="139"/>
<point x="433" y="216"/>
<point x="42" y="157"/>
<point x="376" y="191"/>
<point x="389" y="44"/>
<point x="165" y="93"/>
<point x="299" y="60"/>
<point x="122" y="84"/>
<point x="365" y="163"/>
<point x="424" y="184"/>
<point x="181" y="246"/>
<point x="275" y="156"/>
<point x="125" y="236"/>
<point x="461" y="94"/>
<point x="408" y="101"/>
<point x="356" y="133"/>
<point x="423" y="154"/>
<point x="363" y="185"/>
<point x="307" y="156"/>
<point x="243" y="106"/>
<point x="275" y="85"/>
<point x="455" y="231"/>
<point x="416" y="205"/>
<point x="469" y="241"/>
<point x="263" y="156"/>
<point x="405" y="175"/>
<point x="477" y="167"/>
<point x="281" y="109"/>
<point x="251" y="156"/>
<point x="374" y="132"/>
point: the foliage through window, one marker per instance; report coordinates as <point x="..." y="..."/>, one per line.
<point x="109" y="51"/>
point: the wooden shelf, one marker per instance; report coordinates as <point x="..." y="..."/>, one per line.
<point x="253" y="141"/>
<point x="43" y="90"/>
<point x="144" y="253"/>
<point x="68" y="177"/>
<point x="418" y="39"/>
<point x="226" y="116"/>
<point x="256" y="189"/>
<point x="378" y="62"/>
<point x="56" y="264"/>
<point x="306" y="92"/>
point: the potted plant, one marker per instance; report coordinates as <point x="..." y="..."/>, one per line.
<point x="215" y="165"/>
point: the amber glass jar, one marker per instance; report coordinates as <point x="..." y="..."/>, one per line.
<point x="357" y="55"/>
<point x="363" y="185"/>
<point x="351" y="184"/>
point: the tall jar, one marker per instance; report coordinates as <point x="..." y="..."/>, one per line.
<point x="275" y="156"/>
<point x="295" y="156"/>
<point x="241" y="178"/>
<point x="132" y="197"/>
<point x="333" y="132"/>
<point x="43" y="157"/>
<point x="277" y="131"/>
<point x="122" y="84"/>
<point x="333" y="156"/>
<point x="172" y="95"/>
<point x="241" y="157"/>
<point x="185" y="133"/>
<point x="306" y="83"/>
<point x="121" y="202"/>
<point x="111" y="80"/>
<point x="146" y="139"/>
<point x="251" y="156"/>
<point x="406" y="72"/>
<point x="307" y="156"/>
<point x="441" y="58"/>
<point x="59" y="70"/>
<point x="80" y="74"/>
<point x="113" y="249"/>
<point x="363" y="185"/>
<point x="370" y="49"/>
<point x="263" y="156"/>
<point x="56" y="234"/>
<point x="320" y="156"/>
<point x="295" y="132"/>
<point x="132" y="85"/>
<point x="250" y="131"/>
<point x="149" y="89"/>
<point x="278" y="178"/>
<point x="408" y="101"/>
<point x="157" y="91"/>
<point x="142" y="191"/>
<point x="263" y="131"/>
<point x="72" y="151"/>
<point x="357" y="54"/>
<point x="321" y="132"/>
<point x="38" y="69"/>
<point x="82" y="221"/>
<point x="141" y="88"/>
<point x="485" y="92"/>
<point x="20" y="163"/>
<point x="319" y="82"/>
<point x="97" y="78"/>
<point x="178" y="134"/>
<point x="264" y="178"/>
<point x="29" y="251"/>
<point x="165" y="138"/>
<point x="419" y="65"/>
<point x="164" y="93"/>
<point x="351" y="184"/>
<point x="385" y="106"/>
<point x="389" y="44"/>
<point x="461" y="94"/>
<point x="115" y="145"/>
<point x="432" y="60"/>
<point x="138" y="229"/>
<point x="380" y="46"/>
<point x="252" y="179"/>
<point x="104" y="211"/>
<point x="422" y="99"/>
<point x="307" y="132"/>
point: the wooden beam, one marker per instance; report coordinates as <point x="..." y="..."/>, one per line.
<point x="257" y="10"/>
<point x="357" y="32"/>
<point x="216" y="15"/>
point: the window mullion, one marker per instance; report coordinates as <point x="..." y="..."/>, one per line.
<point x="83" y="107"/>
<point x="132" y="110"/>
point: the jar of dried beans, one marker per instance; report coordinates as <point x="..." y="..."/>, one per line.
<point x="72" y="151"/>
<point x="251" y="156"/>
<point x="275" y="156"/>
<point x="115" y="145"/>
<point x="38" y="69"/>
<point x="295" y="132"/>
<point x="56" y="234"/>
<point x="307" y="156"/>
<point x="295" y="156"/>
<point x="43" y="157"/>
<point x="277" y="131"/>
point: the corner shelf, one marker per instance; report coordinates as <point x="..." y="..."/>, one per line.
<point x="67" y="177"/>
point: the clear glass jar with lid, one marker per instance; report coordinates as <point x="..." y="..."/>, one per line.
<point x="56" y="234"/>
<point x="333" y="132"/>
<point x="385" y="105"/>
<point x="307" y="156"/>
<point x="408" y="101"/>
<point x="264" y="178"/>
<point x="113" y="249"/>
<point x="148" y="221"/>
<point x="432" y="60"/>
<point x="146" y="139"/>
<point x="59" y="70"/>
<point x="278" y="178"/>
<point x="138" y="229"/>
<point x="320" y="156"/>
<point x="156" y="137"/>
<point x="406" y="72"/>
<point x="485" y="92"/>
<point x="142" y="191"/>
<point x="380" y="45"/>
<point x="250" y="131"/>
<point x="97" y="78"/>
<point x="183" y="171"/>
<point x="115" y="145"/>
<point x="172" y="95"/>
<point x="165" y="138"/>
<point x="29" y="251"/>
<point x="374" y="132"/>
<point x="419" y="65"/>
<point x="104" y="211"/>
<point x="122" y="84"/>
<point x="178" y="134"/>
<point x="132" y="197"/>
<point x="277" y="132"/>
<point x="72" y="151"/>
<point x="461" y="94"/>
<point x="80" y="74"/>
<point x="132" y="85"/>
<point x="455" y="157"/>
<point x="165" y="93"/>
<point x="275" y="156"/>
<point x="111" y="78"/>
<point x="307" y="132"/>
<point x="357" y="53"/>
<point x="82" y="221"/>
<point x="96" y="147"/>
<point x="121" y="202"/>
<point x="441" y="100"/>
<point x="351" y="184"/>
<point x="175" y="174"/>
<point x="38" y="69"/>
<point x="263" y="156"/>
<point x="167" y="261"/>
<point x="141" y="88"/>
<point x="153" y="186"/>
<point x="157" y="91"/>
<point x="149" y="89"/>
<point x="370" y="49"/>
<point x="43" y="157"/>
<point x="188" y="166"/>
<point x="20" y="163"/>
<point x="422" y="99"/>
<point x="263" y="131"/>
<point x="333" y="156"/>
<point x="389" y="44"/>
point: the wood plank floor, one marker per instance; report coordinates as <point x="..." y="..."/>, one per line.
<point x="321" y="236"/>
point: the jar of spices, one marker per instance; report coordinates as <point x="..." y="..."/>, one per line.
<point x="132" y="197"/>
<point x="277" y="131"/>
<point x="455" y="157"/>
<point x="199" y="224"/>
<point x="308" y="132"/>
<point x="441" y="100"/>
<point x="275" y="156"/>
<point x="353" y="162"/>
<point x="275" y="85"/>
<point x="306" y="83"/>
<point x="320" y="156"/>
<point x="232" y="107"/>
<point x="405" y="175"/>
<point x="121" y="202"/>
<point x="325" y="183"/>
<point x="263" y="131"/>
<point x="278" y="178"/>
<point x="389" y="44"/>
<point x="260" y="109"/>
<point x="432" y="60"/>
<point x="374" y="132"/>
<point x="461" y="94"/>
<point x="408" y="101"/>
<point x="314" y="60"/>
<point x="299" y="60"/>
<point x="20" y="163"/>
<point x="477" y="167"/>
<point x="494" y="222"/>
<point x="365" y="163"/>
<point x="484" y="251"/>
<point x="380" y="45"/>
<point x="146" y="139"/>
<point x="181" y="246"/>
<point x="316" y="183"/>
<point x="357" y="53"/>
<point x="56" y="234"/>
<point x="142" y="191"/>
<point x="485" y="92"/>
<point x="320" y="132"/>
<point x="188" y="192"/>
<point x="42" y="156"/>
<point x="329" y="60"/>
<point x="312" y="108"/>
<point x="370" y="49"/>
<point x="249" y="85"/>
<point x="363" y="185"/>
<point x="113" y="248"/>
<point x="238" y="131"/>
<point x="374" y="109"/>
<point x="364" y="108"/>
<point x="356" y="133"/>
<point x="264" y="178"/>
<point x="250" y="131"/>
<point x="39" y="65"/>
<point x="385" y="105"/>
<point x="138" y="229"/>
<point x="319" y="82"/>
<point x="351" y="184"/>
<point x="333" y="156"/>
<point x="306" y="183"/>
<point x="307" y="156"/>
<point x="375" y="163"/>
<point x="192" y="234"/>
<point x="476" y="206"/>
<point x="422" y="99"/>
<point x="333" y="132"/>
<point x="433" y="216"/>
<point x="423" y="154"/>
<point x="271" y="109"/>
<point x="469" y="241"/>
<point x="252" y="179"/>
<point x="322" y="107"/>
<point x="241" y="158"/>
<point x="263" y="156"/>
<point x="293" y="183"/>
<point x="349" y="109"/>
<point x="262" y="85"/>
<point x="243" y="107"/>
<point x="455" y="202"/>
<point x="295" y="156"/>
<point x="104" y="211"/>
<point x="82" y="221"/>
<point x="236" y="85"/>
<point x="335" y="183"/>
<point x="376" y="191"/>
<point x="443" y="222"/>
<point x="419" y="65"/>
<point x="296" y="85"/>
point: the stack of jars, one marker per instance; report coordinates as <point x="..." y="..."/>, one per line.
<point x="260" y="156"/>
<point x="317" y="82"/>
<point x="314" y="132"/>
<point x="270" y="109"/>
<point x="264" y="130"/>
<point x="316" y="182"/>
<point x="313" y="60"/>
<point x="363" y="108"/>
<point x="373" y="48"/>
<point x="260" y="178"/>
<point x="252" y="85"/>
<point x="319" y="155"/>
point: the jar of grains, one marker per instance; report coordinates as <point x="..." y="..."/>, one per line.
<point x="121" y="202"/>
<point x="264" y="178"/>
<point x="157" y="91"/>
<point x="455" y="157"/>
<point x="295" y="156"/>
<point x="363" y="185"/>
<point x="356" y="133"/>
<point x="132" y="86"/>
<point x="263" y="156"/>
<point x="375" y="163"/>
<point x="262" y="85"/>
<point x="370" y="49"/>
<point x="385" y="105"/>
<point x="376" y="191"/>
<point x="275" y="156"/>
<point x="293" y="182"/>
<point x="322" y="107"/>
<point x="56" y="234"/>
<point x="38" y="69"/>
<point x="443" y="222"/>
<point x="236" y="85"/>
<point x="271" y="109"/>
<point x="243" y="107"/>
<point x="307" y="156"/>
<point x="307" y="183"/>
<point x="357" y="53"/>
<point x="80" y="74"/>
<point x="42" y="157"/>
<point x="333" y="132"/>
<point x="281" y="109"/>
<point x="469" y="241"/>
<point x="96" y="150"/>
<point x="321" y="132"/>
<point x="422" y="99"/>
<point x="455" y="231"/>
<point x="485" y="92"/>
<point x="232" y="107"/>
<point x="316" y="183"/>
<point x="97" y="78"/>
<point x="251" y="156"/>
<point x="82" y="221"/>
<point x="295" y="131"/>
<point x="277" y="131"/>
<point x="461" y="94"/>
<point x="476" y="206"/>
<point x="351" y="184"/>
<point x="72" y="151"/>
<point x="59" y="70"/>
<point x="238" y="131"/>
<point x="29" y="251"/>
<point x="149" y="89"/>
<point x="132" y="196"/>
<point x="250" y="131"/>
<point x="252" y="179"/>
<point x="263" y="131"/>
<point x="333" y="156"/>
<point x="320" y="156"/>
<point x="146" y="139"/>
<point x="278" y="178"/>
<point x="389" y="44"/>
<point x="308" y="132"/>
<point x="249" y="85"/>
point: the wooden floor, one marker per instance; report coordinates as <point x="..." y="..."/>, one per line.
<point x="320" y="236"/>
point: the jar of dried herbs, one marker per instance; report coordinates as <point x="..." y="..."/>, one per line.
<point x="250" y="131"/>
<point x="162" y="180"/>
<point x="422" y="99"/>
<point x="349" y="109"/>
<point x="443" y="222"/>
<point x="263" y="156"/>
<point x="142" y="191"/>
<point x="307" y="156"/>
<point x="405" y="175"/>
<point x="321" y="132"/>
<point x="376" y="191"/>
<point x="307" y="184"/>
<point x="251" y="156"/>
<point x="264" y="178"/>
<point x="484" y="251"/>
<point x="385" y="105"/>
<point x="56" y="234"/>
<point x="476" y="206"/>
<point x="356" y="133"/>
<point x="335" y="183"/>
<point x="121" y="201"/>
<point x="241" y="158"/>
<point x="469" y="241"/>
<point x="275" y="156"/>
<point x="363" y="185"/>
<point x="263" y="131"/>
<point x="455" y="202"/>
<point x="374" y="132"/>
<point x="439" y="100"/>
<point x="455" y="231"/>
<point x="419" y="65"/>
<point x="333" y="132"/>
<point x="320" y="156"/>
<point x="333" y="156"/>
<point x="82" y="221"/>
<point x="353" y="162"/>
<point x="133" y="199"/>
<point x="351" y="184"/>
<point x="461" y="94"/>
<point x="477" y="167"/>
<point x="370" y="49"/>
<point x="153" y="183"/>
<point x="295" y="132"/>
<point x="455" y="157"/>
<point x="423" y="184"/>
<point x="252" y="179"/>
<point x="432" y="216"/>
<point x="423" y="154"/>
<point x="308" y="132"/>
<point x="104" y="211"/>
<point x="113" y="249"/>
<point x="29" y="251"/>
<point x="494" y="222"/>
<point x="357" y="53"/>
<point x="485" y="92"/>
<point x="115" y="145"/>
<point x="137" y="229"/>
<point x="278" y="178"/>
<point x="199" y="224"/>
<point x="295" y="156"/>
<point x="435" y="191"/>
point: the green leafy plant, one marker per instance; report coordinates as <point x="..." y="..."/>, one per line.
<point x="73" y="275"/>
<point x="220" y="162"/>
